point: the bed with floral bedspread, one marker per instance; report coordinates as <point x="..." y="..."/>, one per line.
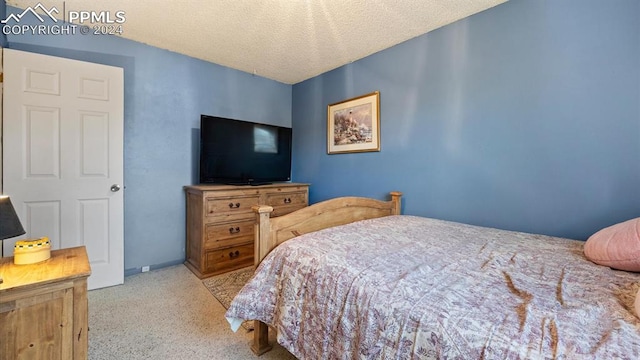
<point x="407" y="287"/>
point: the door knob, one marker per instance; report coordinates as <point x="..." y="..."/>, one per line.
<point x="115" y="188"/>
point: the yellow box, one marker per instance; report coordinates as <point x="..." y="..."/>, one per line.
<point x="31" y="251"/>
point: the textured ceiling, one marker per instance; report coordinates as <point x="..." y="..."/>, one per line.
<point x="284" y="40"/>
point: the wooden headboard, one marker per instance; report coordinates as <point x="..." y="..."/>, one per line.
<point x="271" y="232"/>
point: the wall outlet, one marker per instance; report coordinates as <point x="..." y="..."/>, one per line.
<point x="145" y="268"/>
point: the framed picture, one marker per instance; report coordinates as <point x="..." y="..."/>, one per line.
<point x="354" y="125"/>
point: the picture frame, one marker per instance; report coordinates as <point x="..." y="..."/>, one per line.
<point x="353" y="125"/>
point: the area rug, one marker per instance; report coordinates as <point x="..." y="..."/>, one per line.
<point x="225" y="287"/>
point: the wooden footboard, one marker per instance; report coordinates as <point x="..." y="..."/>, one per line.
<point x="270" y="233"/>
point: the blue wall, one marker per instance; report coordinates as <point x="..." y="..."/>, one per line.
<point x="165" y="93"/>
<point x="524" y="117"/>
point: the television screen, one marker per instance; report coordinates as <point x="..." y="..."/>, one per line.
<point x="242" y="152"/>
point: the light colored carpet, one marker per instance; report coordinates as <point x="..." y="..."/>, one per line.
<point x="225" y="287"/>
<point x="165" y="314"/>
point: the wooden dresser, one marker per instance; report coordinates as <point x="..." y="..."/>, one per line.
<point x="220" y="222"/>
<point x="43" y="307"/>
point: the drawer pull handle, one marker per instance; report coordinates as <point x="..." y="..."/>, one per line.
<point x="234" y="230"/>
<point x="234" y="206"/>
<point x="287" y="200"/>
<point x="233" y="255"/>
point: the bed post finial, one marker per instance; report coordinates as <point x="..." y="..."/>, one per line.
<point x="396" y="198"/>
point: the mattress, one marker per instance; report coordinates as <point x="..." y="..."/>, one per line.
<point x="407" y="287"/>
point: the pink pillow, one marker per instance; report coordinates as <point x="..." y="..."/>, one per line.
<point x="617" y="246"/>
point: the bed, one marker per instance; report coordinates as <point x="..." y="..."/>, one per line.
<point x="361" y="281"/>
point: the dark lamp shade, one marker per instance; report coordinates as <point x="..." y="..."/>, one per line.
<point x="9" y="223"/>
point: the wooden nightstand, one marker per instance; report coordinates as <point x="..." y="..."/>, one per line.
<point x="44" y="308"/>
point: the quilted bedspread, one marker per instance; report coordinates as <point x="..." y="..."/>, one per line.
<point x="406" y="287"/>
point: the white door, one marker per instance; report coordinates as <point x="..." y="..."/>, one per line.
<point x="63" y="156"/>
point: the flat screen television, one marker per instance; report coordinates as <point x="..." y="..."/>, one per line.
<point x="243" y="153"/>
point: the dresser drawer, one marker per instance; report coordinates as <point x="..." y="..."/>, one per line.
<point x="231" y="258"/>
<point x="228" y="234"/>
<point x="287" y="199"/>
<point x="231" y="205"/>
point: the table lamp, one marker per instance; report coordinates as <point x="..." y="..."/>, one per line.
<point x="10" y="225"/>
